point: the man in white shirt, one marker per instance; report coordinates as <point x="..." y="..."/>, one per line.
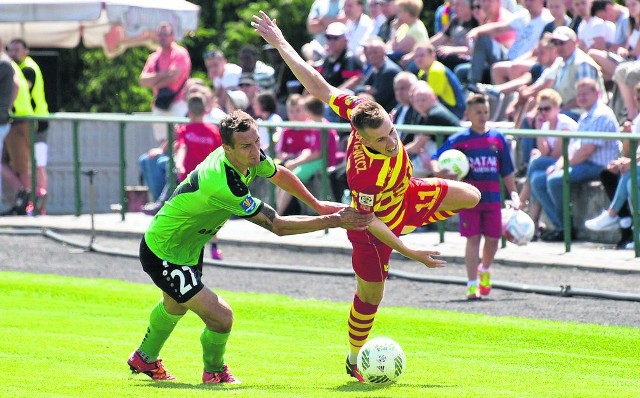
<point x="223" y="75"/>
<point x="359" y="25"/>
<point x="593" y="32"/>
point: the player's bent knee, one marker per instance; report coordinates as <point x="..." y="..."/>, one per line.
<point x="219" y="320"/>
<point x="370" y="292"/>
<point x="466" y="195"/>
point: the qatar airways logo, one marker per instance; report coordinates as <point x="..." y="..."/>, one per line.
<point x="484" y="164"/>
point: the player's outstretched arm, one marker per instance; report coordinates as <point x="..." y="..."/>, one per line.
<point x="286" y="180"/>
<point x="315" y="84"/>
<point x="381" y="231"/>
<point x="346" y="218"/>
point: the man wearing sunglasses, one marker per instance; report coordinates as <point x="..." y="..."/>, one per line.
<point x="340" y="67"/>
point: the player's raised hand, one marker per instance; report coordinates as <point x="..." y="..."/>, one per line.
<point x="267" y="28"/>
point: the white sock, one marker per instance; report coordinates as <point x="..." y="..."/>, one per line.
<point x="472" y="283"/>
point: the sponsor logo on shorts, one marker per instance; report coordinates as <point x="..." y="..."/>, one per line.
<point x="248" y="204"/>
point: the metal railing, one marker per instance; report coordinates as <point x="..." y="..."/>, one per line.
<point x="438" y="131"/>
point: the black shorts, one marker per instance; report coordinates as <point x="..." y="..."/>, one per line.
<point x="180" y="282"/>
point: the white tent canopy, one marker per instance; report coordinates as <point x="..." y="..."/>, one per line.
<point x="114" y="25"/>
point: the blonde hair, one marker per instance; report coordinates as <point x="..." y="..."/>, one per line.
<point x="551" y="95"/>
<point x="412" y="7"/>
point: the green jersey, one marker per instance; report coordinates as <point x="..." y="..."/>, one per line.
<point x="200" y="206"/>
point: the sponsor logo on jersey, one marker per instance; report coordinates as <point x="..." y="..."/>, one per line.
<point x="365" y="200"/>
<point x="248" y="204"/>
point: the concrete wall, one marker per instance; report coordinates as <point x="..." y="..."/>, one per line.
<point x="99" y="150"/>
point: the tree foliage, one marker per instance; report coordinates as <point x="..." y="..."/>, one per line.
<point x="91" y="82"/>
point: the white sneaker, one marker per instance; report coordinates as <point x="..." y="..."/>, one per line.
<point x="604" y="222"/>
<point x="625" y="222"/>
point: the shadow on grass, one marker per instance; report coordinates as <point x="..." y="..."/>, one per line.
<point x="355" y="386"/>
<point x="189" y="386"/>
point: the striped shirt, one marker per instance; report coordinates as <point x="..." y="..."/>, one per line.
<point x="489" y="159"/>
<point x="600" y="118"/>
<point x="377" y="182"/>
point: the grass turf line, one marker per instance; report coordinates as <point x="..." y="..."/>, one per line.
<point x="64" y="337"/>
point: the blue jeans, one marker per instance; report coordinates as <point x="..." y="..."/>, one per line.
<point x="623" y="192"/>
<point x="486" y="52"/>
<point x="548" y="188"/>
<point x="526" y="143"/>
<point x="462" y="71"/>
<point x="154" y="172"/>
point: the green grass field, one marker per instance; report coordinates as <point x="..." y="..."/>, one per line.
<point x="66" y="337"/>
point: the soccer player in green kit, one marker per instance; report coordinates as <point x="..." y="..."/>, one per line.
<point x="171" y="250"/>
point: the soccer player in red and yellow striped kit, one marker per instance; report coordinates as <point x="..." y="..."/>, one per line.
<point x="379" y="177"/>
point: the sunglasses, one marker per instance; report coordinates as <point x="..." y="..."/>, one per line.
<point x="331" y="37"/>
<point x="544" y="109"/>
<point x="476" y="7"/>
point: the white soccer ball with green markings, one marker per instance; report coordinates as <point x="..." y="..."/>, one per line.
<point x="455" y="161"/>
<point x="381" y="360"/>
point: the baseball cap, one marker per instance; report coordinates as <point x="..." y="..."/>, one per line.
<point x="563" y="33"/>
<point x="239" y="99"/>
<point x="336" y="29"/>
<point x="246" y="78"/>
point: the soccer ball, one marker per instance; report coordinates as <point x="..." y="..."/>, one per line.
<point x="381" y="360"/>
<point x="455" y="161"/>
<point x="517" y="226"/>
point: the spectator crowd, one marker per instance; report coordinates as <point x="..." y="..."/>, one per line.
<point x="543" y="65"/>
<point x="569" y="65"/>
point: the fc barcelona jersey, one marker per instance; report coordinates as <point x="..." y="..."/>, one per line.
<point x="378" y="183"/>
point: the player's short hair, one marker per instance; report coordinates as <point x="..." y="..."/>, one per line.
<point x="550" y="95"/>
<point x="368" y="115"/>
<point x="314" y="105"/>
<point x="235" y="122"/>
<point x="477" y="98"/>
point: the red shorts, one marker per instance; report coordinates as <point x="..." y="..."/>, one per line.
<point x="370" y="259"/>
<point x="484" y="219"/>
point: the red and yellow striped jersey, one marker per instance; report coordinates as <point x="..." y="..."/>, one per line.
<point x="378" y="183"/>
